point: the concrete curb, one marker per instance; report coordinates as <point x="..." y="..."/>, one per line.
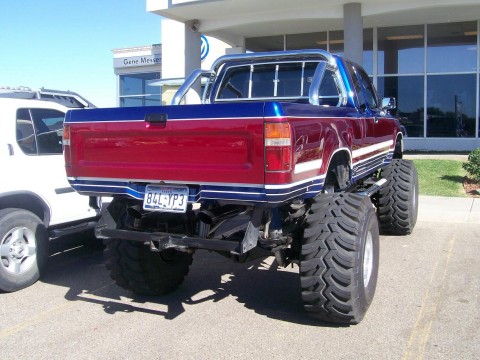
<point x="452" y="210"/>
<point x="458" y="157"/>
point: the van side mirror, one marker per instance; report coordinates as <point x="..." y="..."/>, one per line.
<point x="389" y="103"/>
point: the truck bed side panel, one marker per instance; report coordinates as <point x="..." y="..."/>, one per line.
<point x="318" y="133"/>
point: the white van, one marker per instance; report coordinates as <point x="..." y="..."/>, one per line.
<point x="36" y="200"/>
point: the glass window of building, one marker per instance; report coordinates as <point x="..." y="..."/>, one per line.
<point x="327" y="40"/>
<point x="401" y="50"/>
<point x="409" y="92"/>
<point x="451" y="98"/>
<point x="368" y="51"/>
<point x="432" y="70"/>
<point x="138" y="90"/>
<point x="451" y="105"/>
<point x="265" y="43"/>
<point x="316" y="40"/>
<point x="452" y="47"/>
<point x="336" y="42"/>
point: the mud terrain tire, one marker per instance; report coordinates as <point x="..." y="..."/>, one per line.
<point x="133" y="266"/>
<point x="339" y="258"/>
<point x="397" y="200"/>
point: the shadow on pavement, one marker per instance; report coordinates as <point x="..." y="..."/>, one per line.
<point x="258" y="285"/>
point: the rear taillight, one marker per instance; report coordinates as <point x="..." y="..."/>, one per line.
<point x="66" y="135"/>
<point x="278" y="147"/>
<point x="66" y="146"/>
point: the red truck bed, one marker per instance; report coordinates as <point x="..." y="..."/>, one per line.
<point x="190" y="146"/>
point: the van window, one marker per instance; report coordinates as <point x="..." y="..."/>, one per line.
<point x="25" y="132"/>
<point x="39" y="131"/>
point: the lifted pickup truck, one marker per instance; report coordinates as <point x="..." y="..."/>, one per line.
<point x="289" y="153"/>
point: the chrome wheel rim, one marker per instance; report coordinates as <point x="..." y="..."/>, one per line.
<point x="18" y="250"/>
<point x="368" y="259"/>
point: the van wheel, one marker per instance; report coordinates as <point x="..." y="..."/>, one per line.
<point x="23" y="249"/>
<point x="339" y="258"/>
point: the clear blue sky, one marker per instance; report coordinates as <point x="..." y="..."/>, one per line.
<point x="67" y="45"/>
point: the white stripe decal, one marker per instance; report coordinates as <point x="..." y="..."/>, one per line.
<point x="386" y="152"/>
<point x="307" y="166"/>
<point x="102" y="182"/>
<point x="369" y="149"/>
<point x="286" y="186"/>
<point x="160" y="182"/>
<point x="228" y="192"/>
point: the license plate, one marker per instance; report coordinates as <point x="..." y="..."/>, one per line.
<point x="166" y="198"/>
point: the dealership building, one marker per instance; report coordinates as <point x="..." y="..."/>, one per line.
<point x="425" y="53"/>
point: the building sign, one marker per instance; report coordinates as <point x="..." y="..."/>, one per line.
<point x="205" y="47"/>
<point x="145" y="60"/>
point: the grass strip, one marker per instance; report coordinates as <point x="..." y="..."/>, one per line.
<point x="440" y="177"/>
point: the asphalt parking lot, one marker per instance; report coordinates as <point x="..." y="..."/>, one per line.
<point x="426" y="305"/>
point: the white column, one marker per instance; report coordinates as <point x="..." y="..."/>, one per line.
<point x="353" y="32"/>
<point x="180" y="54"/>
<point x="193" y="53"/>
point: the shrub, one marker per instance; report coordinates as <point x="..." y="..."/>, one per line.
<point x="472" y="166"/>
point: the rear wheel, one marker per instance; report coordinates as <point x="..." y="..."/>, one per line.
<point x="397" y="200"/>
<point x="133" y="266"/>
<point x="339" y="258"/>
<point x="23" y="249"/>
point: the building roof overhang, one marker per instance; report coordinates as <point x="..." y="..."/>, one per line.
<point x="251" y="18"/>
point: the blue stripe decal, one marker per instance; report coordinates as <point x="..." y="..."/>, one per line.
<point x="260" y="194"/>
<point x="219" y="111"/>
<point x="273" y="194"/>
<point x="180" y="112"/>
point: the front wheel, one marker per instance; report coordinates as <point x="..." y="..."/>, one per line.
<point x="339" y="258"/>
<point x="23" y="249"/>
<point x="397" y="200"/>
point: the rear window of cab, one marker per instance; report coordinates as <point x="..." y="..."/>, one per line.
<point x="286" y="81"/>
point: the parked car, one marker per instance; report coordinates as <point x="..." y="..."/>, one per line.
<point x="36" y="201"/>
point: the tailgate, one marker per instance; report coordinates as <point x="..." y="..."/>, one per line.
<point x="218" y="143"/>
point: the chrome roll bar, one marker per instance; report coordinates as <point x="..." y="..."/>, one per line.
<point x="254" y="57"/>
<point x="275" y="55"/>
<point x="196" y="74"/>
